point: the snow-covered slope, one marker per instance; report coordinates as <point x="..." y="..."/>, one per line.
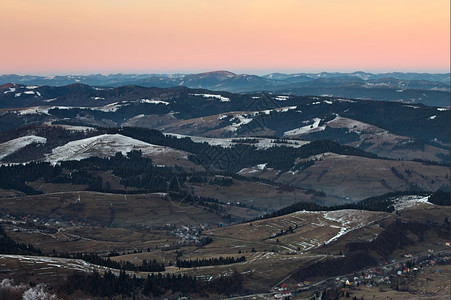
<point x="14" y="145"/>
<point x="306" y="129"/>
<point x="221" y="98"/>
<point x="103" y="146"/>
<point x="405" y="202"/>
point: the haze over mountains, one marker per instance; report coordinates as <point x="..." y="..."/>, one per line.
<point x="430" y="89"/>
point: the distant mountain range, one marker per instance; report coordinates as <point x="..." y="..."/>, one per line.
<point x="390" y="129"/>
<point x="429" y="89"/>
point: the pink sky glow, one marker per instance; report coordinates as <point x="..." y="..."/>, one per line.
<point x="251" y="36"/>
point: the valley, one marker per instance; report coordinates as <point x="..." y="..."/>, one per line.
<point x="297" y="241"/>
<point x="222" y="194"/>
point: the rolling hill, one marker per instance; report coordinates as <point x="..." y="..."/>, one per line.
<point x="390" y="129"/>
<point x="244" y="191"/>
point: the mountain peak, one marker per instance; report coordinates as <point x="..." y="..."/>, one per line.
<point x="221" y="72"/>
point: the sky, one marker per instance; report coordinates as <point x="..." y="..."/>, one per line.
<point x="242" y="36"/>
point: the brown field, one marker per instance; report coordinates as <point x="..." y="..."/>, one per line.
<point x="115" y="210"/>
<point x="274" y="258"/>
<point x="87" y="239"/>
<point x="136" y="227"/>
<point x="49" y="270"/>
<point x="49" y="188"/>
<point x="384" y="143"/>
<point x="357" y="178"/>
<point x="175" y="158"/>
<point x="310" y="230"/>
<point x="9" y="193"/>
<point x="256" y="195"/>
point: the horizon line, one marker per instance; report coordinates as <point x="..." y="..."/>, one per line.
<point x="238" y="72"/>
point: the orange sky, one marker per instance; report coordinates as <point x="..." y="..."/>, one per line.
<point x="253" y="36"/>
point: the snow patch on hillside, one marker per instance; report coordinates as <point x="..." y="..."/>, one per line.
<point x="238" y="121"/>
<point x="349" y="219"/>
<point x="243" y="119"/>
<point x="282" y="98"/>
<point x="112" y="107"/>
<point x="410" y="201"/>
<point x="115" y="106"/>
<point x="153" y="101"/>
<point x="14" y="145"/>
<point x="305" y="129"/>
<point x="221" y="98"/>
<point x="137" y="117"/>
<point x="278" y="109"/>
<point x="37" y="110"/>
<point x="11" y="90"/>
<point x="344" y="100"/>
<point x="103" y="146"/>
<point x="262" y="166"/>
<point x="247" y="171"/>
<point x="41" y="110"/>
